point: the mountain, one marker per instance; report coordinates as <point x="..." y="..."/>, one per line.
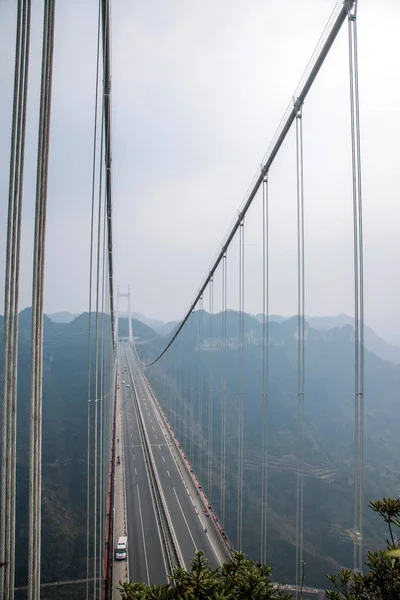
<point x="183" y="384"/>
<point x="64" y="448"/>
<point x="158" y="326"/>
<point x="373" y="342"/>
<point x="62" y="317"/>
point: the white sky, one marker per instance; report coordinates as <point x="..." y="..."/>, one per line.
<point x="198" y="89"/>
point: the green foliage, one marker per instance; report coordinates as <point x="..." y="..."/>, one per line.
<point x="239" y="578"/>
<point x="382" y="581"/>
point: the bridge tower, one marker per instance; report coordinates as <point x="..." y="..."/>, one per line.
<point x="127" y="295"/>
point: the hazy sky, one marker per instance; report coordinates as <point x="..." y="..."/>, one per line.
<point x="198" y="89"/>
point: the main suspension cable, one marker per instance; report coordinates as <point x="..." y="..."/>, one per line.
<point x="313" y="68"/>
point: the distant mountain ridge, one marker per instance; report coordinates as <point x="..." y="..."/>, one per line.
<point x="161" y="327"/>
<point x="182" y="379"/>
<point x="373" y="342"/>
<point x="62" y="317"/>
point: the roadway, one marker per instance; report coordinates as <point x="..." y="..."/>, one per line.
<point x="146" y="558"/>
<point x="145" y="553"/>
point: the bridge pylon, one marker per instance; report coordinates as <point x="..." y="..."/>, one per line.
<point x="126" y="295"/>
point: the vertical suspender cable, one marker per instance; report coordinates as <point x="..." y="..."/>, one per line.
<point x="103" y="478"/>
<point x="210" y="392"/>
<point x="300" y="351"/>
<point x="11" y="295"/>
<point x="239" y="526"/>
<point x="264" y="408"/>
<point x="223" y="399"/>
<point x="358" y="289"/>
<point x="37" y="306"/>
<point x="192" y="395"/>
<point x="89" y="413"/>
<point x="96" y="384"/>
<point x="200" y="455"/>
<point x="105" y="12"/>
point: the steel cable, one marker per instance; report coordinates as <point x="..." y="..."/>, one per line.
<point x="91" y="252"/>
<point x="223" y="399"/>
<point x="358" y="290"/>
<point x="200" y="455"/>
<point x="35" y="446"/>
<point x="210" y="390"/>
<point x="302" y="90"/>
<point x="300" y="352"/>
<point x="103" y="444"/>
<point x="96" y="390"/>
<point x="239" y="524"/>
<point x="265" y="372"/>
<point x="11" y="296"/>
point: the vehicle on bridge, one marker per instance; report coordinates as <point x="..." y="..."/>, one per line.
<point x="122" y="548"/>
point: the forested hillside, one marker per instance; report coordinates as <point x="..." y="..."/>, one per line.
<point x="328" y="446"/>
<point x="185" y="393"/>
<point x="65" y="385"/>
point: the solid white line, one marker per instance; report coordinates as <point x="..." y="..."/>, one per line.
<point x="144" y="541"/>
<point x="183" y="515"/>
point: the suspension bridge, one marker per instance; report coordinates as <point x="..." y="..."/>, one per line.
<point x="169" y="454"/>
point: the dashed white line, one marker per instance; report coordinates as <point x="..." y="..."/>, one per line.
<point x="183" y="515"/>
<point x="135" y="471"/>
<point x="163" y="459"/>
<point x="168" y="474"/>
<point x="144" y="541"/>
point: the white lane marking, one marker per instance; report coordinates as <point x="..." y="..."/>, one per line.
<point x="135" y="471"/>
<point x="134" y="457"/>
<point x="153" y="428"/>
<point x="163" y="459"/>
<point x="183" y="515"/>
<point x="211" y="544"/>
<point x="168" y="474"/>
<point x="156" y="436"/>
<point x="144" y="541"/>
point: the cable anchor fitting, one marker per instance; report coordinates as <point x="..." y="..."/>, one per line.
<point x="298" y="106"/>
